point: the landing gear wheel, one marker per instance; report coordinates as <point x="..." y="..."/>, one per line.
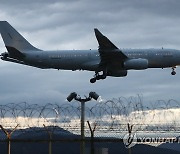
<point x="173" y="73"/>
<point x="93" y="80"/>
<point x="103" y="77"/>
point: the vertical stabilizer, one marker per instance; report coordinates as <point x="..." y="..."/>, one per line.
<point x="13" y="40"/>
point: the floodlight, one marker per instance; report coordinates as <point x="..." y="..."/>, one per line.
<point x="71" y="96"/>
<point x="94" y="95"/>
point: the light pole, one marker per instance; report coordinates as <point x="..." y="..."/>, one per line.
<point x="74" y="95"/>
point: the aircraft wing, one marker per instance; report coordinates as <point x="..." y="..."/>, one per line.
<point x="109" y="53"/>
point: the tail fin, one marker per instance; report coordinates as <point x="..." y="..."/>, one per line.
<point x="13" y="40"/>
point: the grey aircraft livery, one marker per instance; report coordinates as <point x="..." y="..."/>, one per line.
<point x="108" y="60"/>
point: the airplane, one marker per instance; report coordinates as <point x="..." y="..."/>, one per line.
<point x="107" y="60"/>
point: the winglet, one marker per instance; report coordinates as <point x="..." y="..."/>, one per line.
<point x="104" y="42"/>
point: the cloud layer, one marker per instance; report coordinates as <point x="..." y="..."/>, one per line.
<point x="69" y="25"/>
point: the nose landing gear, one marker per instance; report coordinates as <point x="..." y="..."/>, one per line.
<point x="4" y="55"/>
<point x="173" y="71"/>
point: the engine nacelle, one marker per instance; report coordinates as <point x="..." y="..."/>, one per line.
<point x="136" y="64"/>
<point x="117" y="73"/>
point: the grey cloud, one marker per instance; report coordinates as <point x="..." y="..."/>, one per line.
<point x="69" y="25"/>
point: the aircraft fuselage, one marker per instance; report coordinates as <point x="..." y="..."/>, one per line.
<point x="89" y="59"/>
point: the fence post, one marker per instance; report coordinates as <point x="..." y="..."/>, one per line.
<point x="92" y="136"/>
<point x="130" y="131"/>
<point x="50" y="138"/>
<point x="8" y="135"/>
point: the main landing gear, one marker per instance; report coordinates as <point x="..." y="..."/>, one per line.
<point x="173" y="71"/>
<point x="97" y="76"/>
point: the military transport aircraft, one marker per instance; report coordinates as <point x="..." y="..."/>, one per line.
<point x="108" y="60"/>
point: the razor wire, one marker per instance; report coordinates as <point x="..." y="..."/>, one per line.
<point x="112" y="115"/>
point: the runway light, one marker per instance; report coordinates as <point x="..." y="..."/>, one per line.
<point x="71" y="96"/>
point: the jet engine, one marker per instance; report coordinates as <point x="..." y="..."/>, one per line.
<point x="136" y="64"/>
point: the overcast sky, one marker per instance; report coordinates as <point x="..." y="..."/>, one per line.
<point x="69" y="24"/>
